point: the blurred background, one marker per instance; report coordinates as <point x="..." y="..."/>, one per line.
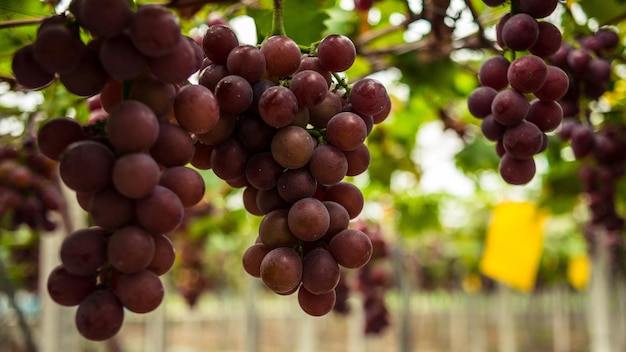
<point x="463" y="261"/>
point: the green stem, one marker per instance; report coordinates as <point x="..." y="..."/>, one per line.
<point x="278" y="27"/>
<point x="514" y="7"/>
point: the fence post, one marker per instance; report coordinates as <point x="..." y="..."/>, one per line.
<point x="560" y="320"/>
<point x="599" y="299"/>
<point x="506" y="320"/>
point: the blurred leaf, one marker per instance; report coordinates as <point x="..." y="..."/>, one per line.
<point x="477" y="155"/>
<point x="603" y="10"/>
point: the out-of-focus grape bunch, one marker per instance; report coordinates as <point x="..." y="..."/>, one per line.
<point x="372" y="281"/>
<point x="600" y="145"/>
<point x="517" y="125"/>
<point x="29" y="192"/>
<point x="194" y="272"/>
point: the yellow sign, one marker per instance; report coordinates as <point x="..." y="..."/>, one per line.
<point x="514" y="244"/>
<point x="579" y="271"/>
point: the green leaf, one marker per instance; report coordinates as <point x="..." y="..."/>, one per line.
<point x="303" y="21"/>
<point x="603" y="10"/>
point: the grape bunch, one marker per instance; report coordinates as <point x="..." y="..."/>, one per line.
<point x="128" y="165"/>
<point x="28" y="190"/>
<point x="289" y="131"/>
<point x="600" y="146"/>
<point x="519" y="126"/>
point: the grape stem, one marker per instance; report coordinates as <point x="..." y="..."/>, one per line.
<point x="278" y="27"/>
<point x="341" y="82"/>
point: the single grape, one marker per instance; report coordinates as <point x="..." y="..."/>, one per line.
<point x="320" y="271"/>
<point x="229" y="159"/>
<point x="130" y="249"/>
<point x="223" y="130"/>
<point x="58" y="49"/>
<point x="130" y="168"/>
<point x="120" y="59"/>
<point x="56" y="134"/>
<point x="274" y="230"/>
<point x="346" y="194"/>
<point x="234" y="94"/>
<point x="99" y="316"/>
<point x="141" y="291"/>
<point x="88" y="78"/>
<point x="292" y="147"/>
<point x="538" y="8"/>
<point x="316" y="305"/>
<point x="517" y="171"/>
<point x="523" y="140"/>
<point x="173" y="146"/>
<point x="281" y="270"/>
<point x="160" y="212"/>
<point x="309" y="87"/>
<point x="164" y="255"/>
<point x="368" y="97"/>
<point x="509" y="107"/>
<point x="308" y="219"/>
<point x="282" y="55"/>
<point x="262" y="171"/>
<point x="27" y="70"/>
<point x="154" y="30"/>
<point x="105" y="18"/>
<point x="84" y="251"/>
<point x="520" y="32"/>
<point x="493" y="72"/>
<point x="358" y="160"/>
<point x="176" y="66"/>
<point x="246" y="61"/>
<point x="328" y="164"/>
<point x="110" y="209"/>
<point x="548" y="42"/>
<point x="346" y="131"/>
<point x="527" y="73"/>
<point x="555" y="86"/>
<point x="85" y="166"/>
<point x="479" y="101"/>
<point x="196" y="109"/>
<point x="252" y="258"/>
<point x="336" y="53"/>
<point x="547" y="115"/>
<point x="295" y="184"/>
<point x="351" y="248"/>
<point x="217" y="43"/>
<point x="278" y="106"/>
<point x="186" y="182"/>
<point x="132" y="127"/>
<point x="69" y="289"/>
<point x="210" y="75"/>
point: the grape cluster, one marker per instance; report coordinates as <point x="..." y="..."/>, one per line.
<point x="128" y="166"/>
<point x="28" y="192"/>
<point x="290" y="130"/>
<point x="588" y="65"/>
<point x="519" y="126"/>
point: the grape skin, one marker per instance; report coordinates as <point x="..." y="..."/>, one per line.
<point x="99" y="316"/>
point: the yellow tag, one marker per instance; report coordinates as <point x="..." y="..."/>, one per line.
<point x="513" y="245"/>
<point x="579" y="271"/>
